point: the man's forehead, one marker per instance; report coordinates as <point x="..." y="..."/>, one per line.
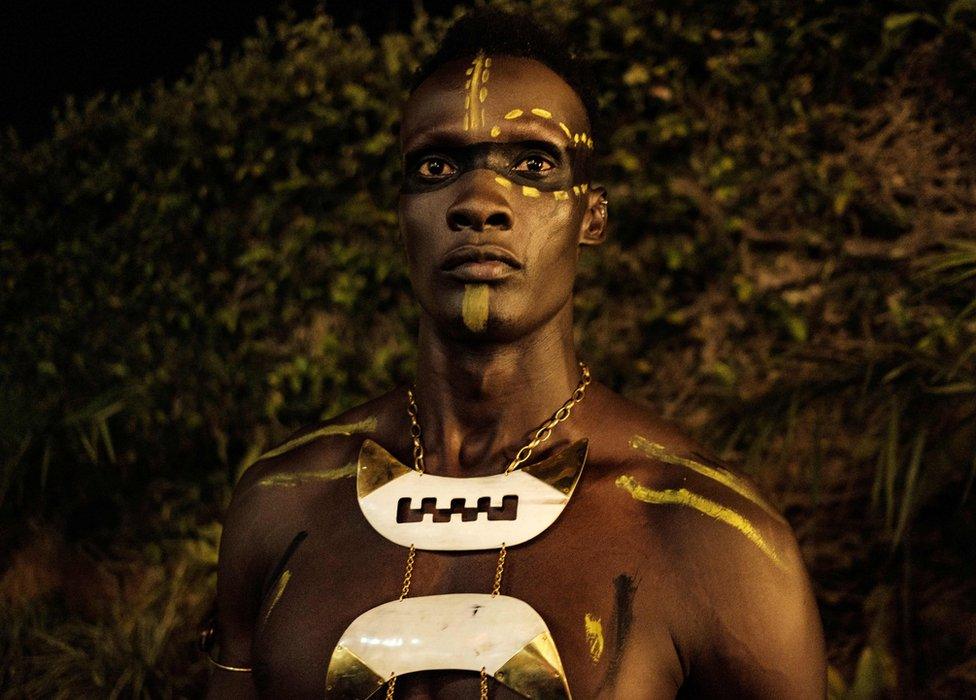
<point x="495" y="97"/>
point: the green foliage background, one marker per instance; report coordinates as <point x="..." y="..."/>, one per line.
<point x="191" y="272"/>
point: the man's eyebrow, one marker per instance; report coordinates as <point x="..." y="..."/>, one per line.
<point x="524" y="130"/>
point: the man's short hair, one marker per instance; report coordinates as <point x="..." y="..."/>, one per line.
<point x="500" y="33"/>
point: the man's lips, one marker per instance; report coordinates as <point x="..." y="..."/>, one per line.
<point x="480" y="263"/>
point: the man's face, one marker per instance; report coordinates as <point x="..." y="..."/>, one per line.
<point x="496" y="198"/>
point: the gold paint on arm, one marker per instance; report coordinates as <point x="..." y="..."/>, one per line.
<point x="364" y="426"/>
<point x="514" y="114"/>
<point x="279" y="591"/>
<point x="474" y="307"/>
<point x="684" y="497"/>
<point x="530" y="191"/>
<point x="722" y="476"/>
<point x="594" y="636"/>
<point x="297" y="478"/>
<point x="544" y="113"/>
<point x="504" y="182"/>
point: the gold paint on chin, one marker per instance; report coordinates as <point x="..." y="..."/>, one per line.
<point x="594" y="636"/>
<point x="474" y="307"/>
<point x="722" y="476"/>
<point x="684" y="497"/>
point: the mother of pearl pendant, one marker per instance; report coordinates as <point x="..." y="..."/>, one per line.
<point x="534" y="495"/>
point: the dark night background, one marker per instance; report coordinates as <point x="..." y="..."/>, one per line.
<point x="193" y="269"/>
<point x="52" y="49"/>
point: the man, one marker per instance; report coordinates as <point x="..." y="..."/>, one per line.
<point x="665" y="574"/>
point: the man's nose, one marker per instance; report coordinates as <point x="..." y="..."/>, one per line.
<point x="480" y="206"/>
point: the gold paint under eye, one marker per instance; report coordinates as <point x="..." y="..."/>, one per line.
<point x="544" y="113"/>
<point x="367" y="425"/>
<point x="583" y="137"/>
<point x="589" y="142"/>
<point x="279" y="591"/>
<point x="495" y="131"/>
<point x="569" y="134"/>
<point x="514" y="114"/>
<point x="560" y="194"/>
<point x="722" y="476"/>
<point x="684" y="497"/>
<point x="530" y="191"/>
<point x="594" y="636"/>
<point x="575" y="138"/>
<point x="503" y="181"/>
<point x="474" y="307"/>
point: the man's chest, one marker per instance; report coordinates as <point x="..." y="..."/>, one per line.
<point x="582" y="576"/>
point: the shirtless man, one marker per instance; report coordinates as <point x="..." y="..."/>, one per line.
<point x="666" y="574"/>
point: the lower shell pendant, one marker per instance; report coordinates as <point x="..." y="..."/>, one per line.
<point x="460" y="631"/>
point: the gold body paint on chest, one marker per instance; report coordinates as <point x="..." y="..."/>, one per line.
<point x="366" y="425"/>
<point x="722" y="476"/>
<point x="474" y="307"/>
<point x="594" y="636"/>
<point x="684" y="497"/>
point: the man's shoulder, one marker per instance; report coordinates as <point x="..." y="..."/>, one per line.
<point x="691" y="498"/>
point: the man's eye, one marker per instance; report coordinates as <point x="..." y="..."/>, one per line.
<point x="436" y="167"/>
<point x="534" y="164"/>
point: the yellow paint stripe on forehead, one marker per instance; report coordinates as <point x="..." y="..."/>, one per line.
<point x="569" y="134"/>
<point x="544" y="113"/>
<point x="476" y="92"/>
<point x="514" y="114"/>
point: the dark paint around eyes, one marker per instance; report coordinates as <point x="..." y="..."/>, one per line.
<point x="511" y="160"/>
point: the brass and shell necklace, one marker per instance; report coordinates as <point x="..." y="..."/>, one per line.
<point x="506" y="638"/>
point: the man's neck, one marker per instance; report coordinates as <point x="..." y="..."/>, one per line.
<point x="479" y="403"/>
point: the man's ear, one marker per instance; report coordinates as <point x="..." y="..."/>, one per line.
<point x="593" y="229"/>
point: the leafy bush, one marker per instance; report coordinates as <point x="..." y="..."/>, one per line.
<point x="191" y="272"/>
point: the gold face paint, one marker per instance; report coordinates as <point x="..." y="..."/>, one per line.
<point x="367" y="425"/>
<point x="514" y="114"/>
<point x="279" y="591"/>
<point x="495" y="131"/>
<point x="594" y="636"/>
<point x="298" y="478"/>
<point x="474" y="307"/>
<point x="560" y="194"/>
<point x="684" y="497"/>
<point x="544" y="113"/>
<point x="476" y="92"/>
<point x="504" y="182"/>
<point x="722" y="476"/>
<point x="530" y="191"/>
<point x="569" y="134"/>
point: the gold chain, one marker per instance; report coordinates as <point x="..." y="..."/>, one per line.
<point x="541" y="435"/>
<point x="408" y="574"/>
<point x="484" y="684"/>
<point x="391" y="686"/>
<point x="496" y="589"/>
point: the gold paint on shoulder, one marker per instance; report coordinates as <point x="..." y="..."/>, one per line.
<point x="474" y="307"/>
<point x="530" y="191"/>
<point x="504" y="182"/>
<point x="722" y="476"/>
<point x="560" y="194"/>
<point x="514" y="114"/>
<point x="495" y="131"/>
<point x="569" y="134"/>
<point x="279" y="591"/>
<point x="544" y="113"/>
<point x="366" y="425"/>
<point x="594" y="636"/>
<point x="684" y="497"/>
<point x="297" y="478"/>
